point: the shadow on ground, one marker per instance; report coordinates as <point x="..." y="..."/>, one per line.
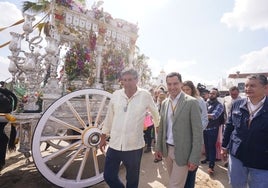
<point x="18" y="174"/>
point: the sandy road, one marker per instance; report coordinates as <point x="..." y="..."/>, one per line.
<point x="17" y="174"/>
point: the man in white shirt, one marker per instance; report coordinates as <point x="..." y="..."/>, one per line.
<point x="228" y="100"/>
<point x="124" y="125"/>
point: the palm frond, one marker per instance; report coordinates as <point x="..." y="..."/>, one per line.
<point x="41" y="6"/>
<point x="41" y="26"/>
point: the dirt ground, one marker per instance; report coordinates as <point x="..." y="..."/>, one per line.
<point x="18" y="174"/>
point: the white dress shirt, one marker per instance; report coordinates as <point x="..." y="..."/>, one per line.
<point x="125" y="118"/>
<point x="172" y="107"/>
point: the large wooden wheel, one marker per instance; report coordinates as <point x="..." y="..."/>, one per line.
<point x="72" y="127"/>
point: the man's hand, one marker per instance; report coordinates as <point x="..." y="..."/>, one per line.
<point x="224" y="154"/>
<point x="210" y="116"/>
<point x="103" y="143"/>
<point x="191" y="166"/>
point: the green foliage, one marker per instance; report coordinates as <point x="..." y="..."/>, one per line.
<point x="38" y="7"/>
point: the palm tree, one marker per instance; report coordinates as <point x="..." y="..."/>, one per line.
<point x="42" y="6"/>
<point x="141" y="64"/>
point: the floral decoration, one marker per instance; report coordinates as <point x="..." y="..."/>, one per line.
<point x="114" y="61"/>
<point x="23" y="97"/>
<point x="92" y="41"/>
<point x="78" y="62"/>
<point x="76" y="5"/>
<point x="65" y="3"/>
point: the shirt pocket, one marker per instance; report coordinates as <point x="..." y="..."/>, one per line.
<point x="235" y="143"/>
<point x="236" y="118"/>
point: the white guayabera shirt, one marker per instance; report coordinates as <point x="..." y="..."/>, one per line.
<point x="125" y="118"/>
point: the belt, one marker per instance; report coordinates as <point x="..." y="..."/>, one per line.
<point x="212" y="128"/>
<point x="170" y="145"/>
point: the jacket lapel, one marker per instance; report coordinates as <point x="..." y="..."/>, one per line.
<point x="180" y="106"/>
<point x="264" y="108"/>
<point x="165" y="109"/>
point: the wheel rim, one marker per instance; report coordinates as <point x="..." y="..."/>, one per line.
<point x="72" y="127"/>
<point x="91" y="137"/>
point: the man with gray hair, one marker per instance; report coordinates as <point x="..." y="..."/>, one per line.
<point x="124" y="124"/>
<point x="246" y="136"/>
<point x="228" y="100"/>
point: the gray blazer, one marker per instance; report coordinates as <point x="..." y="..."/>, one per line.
<point x="187" y="130"/>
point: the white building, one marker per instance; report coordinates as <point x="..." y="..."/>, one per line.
<point x="160" y="81"/>
<point x="239" y="79"/>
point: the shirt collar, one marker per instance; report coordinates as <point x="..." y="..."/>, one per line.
<point x="124" y="94"/>
<point x="176" y="98"/>
<point x="259" y="103"/>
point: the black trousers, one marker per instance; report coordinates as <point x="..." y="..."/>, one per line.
<point x="190" y="181"/>
<point x="210" y="139"/>
<point x="130" y="159"/>
<point x="148" y="136"/>
<point x="3" y="144"/>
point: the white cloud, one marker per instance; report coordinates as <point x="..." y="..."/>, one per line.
<point x="171" y="66"/>
<point x="133" y="11"/>
<point x="187" y="69"/>
<point x="183" y="67"/>
<point x="9" y="13"/>
<point x="155" y="66"/>
<point x="251" y="14"/>
<point x="178" y="66"/>
<point x="4" y="73"/>
<point x="253" y="62"/>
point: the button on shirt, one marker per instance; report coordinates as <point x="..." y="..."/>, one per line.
<point x="125" y="118"/>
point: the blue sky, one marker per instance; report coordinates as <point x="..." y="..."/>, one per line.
<point x="203" y="40"/>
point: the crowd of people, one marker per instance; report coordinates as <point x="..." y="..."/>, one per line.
<point x="185" y="122"/>
<point x="178" y="125"/>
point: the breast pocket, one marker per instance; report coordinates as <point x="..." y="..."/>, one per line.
<point x="236" y="118"/>
<point x="235" y="143"/>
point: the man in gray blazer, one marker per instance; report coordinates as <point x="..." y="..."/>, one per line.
<point x="179" y="137"/>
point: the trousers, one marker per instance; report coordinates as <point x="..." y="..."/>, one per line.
<point x="177" y="174"/>
<point x="148" y="136"/>
<point x="130" y="159"/>
<point x="3" y="144"/>
<point x="210" y="139"/>
<point x="243" y="177"/>
<point x="190" y="181"/>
